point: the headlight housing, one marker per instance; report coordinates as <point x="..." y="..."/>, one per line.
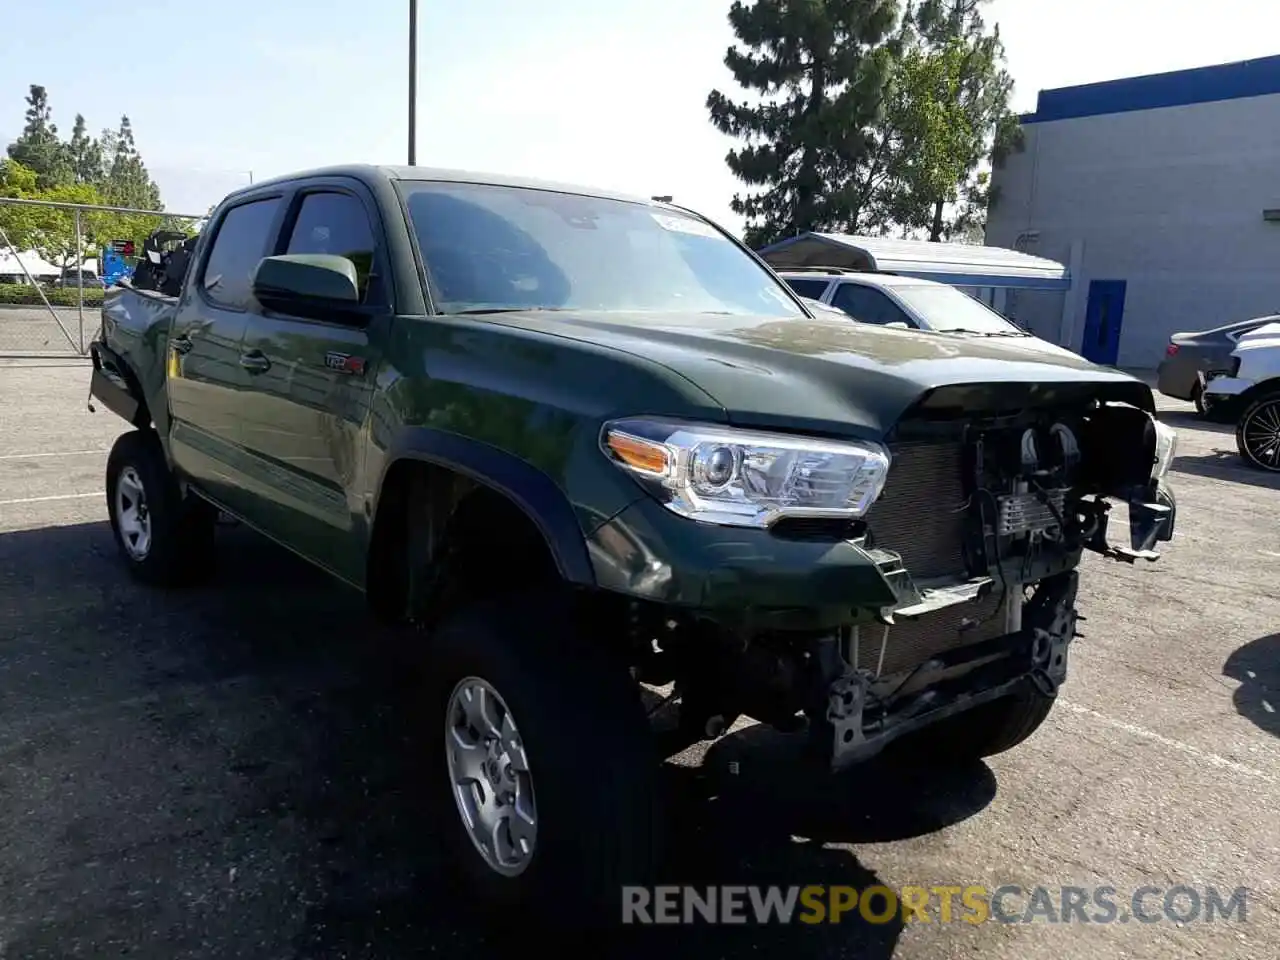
<point x="1166" y="447"/>
<point x="746" y="478"/>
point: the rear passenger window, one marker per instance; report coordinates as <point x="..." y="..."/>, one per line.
<point x="868" y="305"/>
<point x="336" y="223"/>
<point x="242" y="240"/>
<point x="813" y="289"/>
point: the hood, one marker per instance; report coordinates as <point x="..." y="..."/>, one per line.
<point x="1032" y="344"/>
<point x="836" y="377"/>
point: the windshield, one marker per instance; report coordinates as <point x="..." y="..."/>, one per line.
<point x="488" y="247"/>
<point x="946" y="308"/>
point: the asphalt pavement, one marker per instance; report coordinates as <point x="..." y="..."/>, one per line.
<point x="235" y="770"/>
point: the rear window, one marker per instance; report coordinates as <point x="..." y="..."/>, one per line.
<point x="490" y="247"/>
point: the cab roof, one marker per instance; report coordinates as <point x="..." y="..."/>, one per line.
<point x="370" y="172"/>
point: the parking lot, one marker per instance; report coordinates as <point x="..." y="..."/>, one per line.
<point x="232" y="771"/>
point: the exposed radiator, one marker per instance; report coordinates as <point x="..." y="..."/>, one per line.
<point x="921" y="515"/>
<point x="913" y="641"/>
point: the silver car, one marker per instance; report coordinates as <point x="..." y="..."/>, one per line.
<point x="1191" y="355"/>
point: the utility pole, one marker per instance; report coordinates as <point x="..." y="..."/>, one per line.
<point x="413" y="82"/>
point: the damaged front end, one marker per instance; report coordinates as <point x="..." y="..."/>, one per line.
<point x="981" y="527"/>
<point x="978" y="532"/>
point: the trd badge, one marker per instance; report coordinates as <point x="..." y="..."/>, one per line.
<point x="344" y="363"/>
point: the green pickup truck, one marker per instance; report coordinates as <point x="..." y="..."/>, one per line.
<point x="595" y="453"/>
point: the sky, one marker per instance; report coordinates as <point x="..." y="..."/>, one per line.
<point x="605" y="94"/>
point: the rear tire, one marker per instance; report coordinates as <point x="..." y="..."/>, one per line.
<point x="583" y="740"/>
<point x="1197" y="397"/>
<point x="164" y="539"/>
<point x="1258" y="433"/>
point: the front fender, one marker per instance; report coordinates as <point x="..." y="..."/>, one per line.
<point x="534" y="492"/>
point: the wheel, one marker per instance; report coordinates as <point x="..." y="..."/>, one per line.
<point x="1197" y="397"/>
<point x="548" y="766"/>
<point x="164" y="539"/>
<point x="1258" y="433"/>
<point x="987" y="729"/>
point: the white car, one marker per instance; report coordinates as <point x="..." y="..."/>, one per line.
<point x="891" y="300"/>
<point x="1251" y="389"/>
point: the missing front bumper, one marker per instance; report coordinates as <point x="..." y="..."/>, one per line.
<point x="863" y="718"/>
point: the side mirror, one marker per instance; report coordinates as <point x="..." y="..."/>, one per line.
<point x="318" y="285"/>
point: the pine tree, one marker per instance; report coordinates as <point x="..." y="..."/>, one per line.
<point x="126" y="182"/>
<point x="820" y="68"/>
<point x="86" y="154"/>
<point x="38" y="148"/>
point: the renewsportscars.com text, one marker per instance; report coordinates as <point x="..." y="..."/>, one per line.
<point x="818" y="904"/>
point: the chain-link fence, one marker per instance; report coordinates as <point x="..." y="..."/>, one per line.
<point x="56" y="262"/>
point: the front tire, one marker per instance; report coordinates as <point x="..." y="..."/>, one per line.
<point x="987" y="729"/>
<point x="163" y="539"/>
<point x="1258" y="433"/>
<point x="548" y="768"/>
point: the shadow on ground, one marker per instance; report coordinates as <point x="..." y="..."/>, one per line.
<point x="1183" y="420"/>
<point x="1256" y="666"/>
<point x="235" y="771"/>
<point x="1225" y="464"/>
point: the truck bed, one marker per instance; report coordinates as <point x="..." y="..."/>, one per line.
<point x="131" y="346"/>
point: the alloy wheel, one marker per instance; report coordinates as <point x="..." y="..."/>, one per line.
<point x="490" y="778"/>
<point x="1260" y="434"/>
<point x="133" y="518"/>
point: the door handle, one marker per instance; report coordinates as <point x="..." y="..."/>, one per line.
<point x="255" y="361"/>
<point x="182" y="344"/>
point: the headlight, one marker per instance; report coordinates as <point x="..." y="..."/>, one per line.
<point x="744" y="478"/>
<point x="1166" y="446"/>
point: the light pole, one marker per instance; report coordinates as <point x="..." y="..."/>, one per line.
<point x="413" y="82"/>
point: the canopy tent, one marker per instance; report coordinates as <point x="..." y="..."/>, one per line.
<point x="958" y="264"/>
<point x="12" y="265"/>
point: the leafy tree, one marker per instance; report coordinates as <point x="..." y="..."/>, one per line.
<point x="819" y="70"/>
<point x="948" y="115"/>
<point x="51" y="231"/>
<point x="38" y="148"/>
<point x="17" y="222"/>
<point x="107" y="171"/>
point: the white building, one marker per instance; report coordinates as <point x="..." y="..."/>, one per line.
<point x="1162" y="195"/>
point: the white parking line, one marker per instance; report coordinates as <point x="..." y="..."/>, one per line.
<point x="60" y="453"/>
<point x="65" y="496"/>
<point x="1187" y="749"/>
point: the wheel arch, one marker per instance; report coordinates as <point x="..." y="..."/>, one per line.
<point x="447" y="483"/>
<point x="1256" y="392"/>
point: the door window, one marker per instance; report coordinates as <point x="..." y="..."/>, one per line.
<point x="813" y="289"/>
<point x="868" y="305"/>
<point x="336" y="223"/>
<point x="241" y="241"/>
